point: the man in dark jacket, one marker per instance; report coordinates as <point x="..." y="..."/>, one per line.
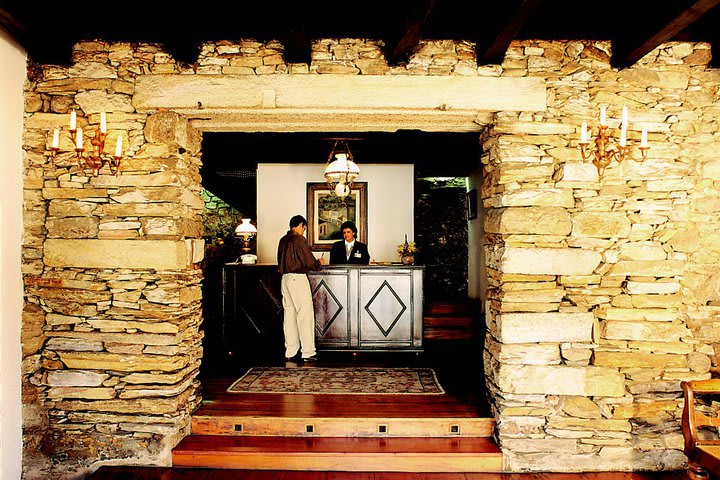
<point x="349" y="250"/>
<point x="295" y="260"/>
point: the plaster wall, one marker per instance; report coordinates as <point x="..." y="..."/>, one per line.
<point x="477" y="276"/>
<point x="282" y="194"/>
<point x="12" y="58"/>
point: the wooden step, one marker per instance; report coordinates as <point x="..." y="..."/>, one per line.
<point x="239" y="425"/>
<point x="447" y="334"/>
<point x="447" y="308"/>
<point x="444" y="321"/>
<point x="340" y="454"/>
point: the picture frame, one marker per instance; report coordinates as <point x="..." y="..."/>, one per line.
<point x="471" y="199"/>
<point x="326" y="212"/>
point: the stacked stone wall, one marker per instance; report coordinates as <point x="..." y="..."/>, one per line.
<point x="111" y="328"/>
<point x="603" y="291"/>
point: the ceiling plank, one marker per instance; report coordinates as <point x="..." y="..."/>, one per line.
<point x="496" y="51"/>
<point x="298" y="45"/>
<point x="12" y="27"/>
<point x="668" y="31"/>
<point x="399" y="50"/>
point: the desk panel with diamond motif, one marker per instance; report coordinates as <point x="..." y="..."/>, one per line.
<point x="330" y="300"/>
<point x="360" y="307"/>
<point x="386" y="309"/>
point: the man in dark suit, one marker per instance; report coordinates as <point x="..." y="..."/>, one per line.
<point x="349" y="250"/>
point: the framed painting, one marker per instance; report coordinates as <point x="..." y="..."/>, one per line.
<point x="326" y="212"/>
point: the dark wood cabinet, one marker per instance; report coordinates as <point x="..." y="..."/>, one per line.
<point x="252" y="312"/>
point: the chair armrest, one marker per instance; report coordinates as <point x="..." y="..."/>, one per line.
<point x="688" y="424"/>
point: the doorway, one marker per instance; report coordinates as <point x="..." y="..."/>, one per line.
<point x="442" y="163"/>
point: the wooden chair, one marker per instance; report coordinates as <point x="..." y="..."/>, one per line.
<point x="703" y="455"/>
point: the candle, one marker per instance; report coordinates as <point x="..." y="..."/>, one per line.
<point x="103" y="123"/>
<point x="623" y="127"/>
<point x="56" y="138"/>
<point x="602" y="115"/>
<point x="643" y="138"/>
<point x="73" y="120"/>
<point x="118" y="147"/>
<point x="79" y="139"/>
<point x="583" y="133"/>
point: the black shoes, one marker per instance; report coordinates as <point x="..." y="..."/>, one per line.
<point x="294" y="358"/>
<point x="297" y="358"/>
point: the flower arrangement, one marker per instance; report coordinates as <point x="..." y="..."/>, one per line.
<point x="407" y="248"/>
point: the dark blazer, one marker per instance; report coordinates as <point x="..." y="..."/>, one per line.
<point x="359" y="254"/>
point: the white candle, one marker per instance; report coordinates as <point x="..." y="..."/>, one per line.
<point x="583" y="133"/>
<point x="603" y="109"/>
<point x="623" y="127"/>
<point x="643" y="138"/>
<point x="73" y="120"/>
<point x="118" y="147"/>
<point x="56" y="138"/>
<point x="103" y="123"/>
<point x="79" y="139"/>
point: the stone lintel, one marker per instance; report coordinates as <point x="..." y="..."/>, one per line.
<point x="323" y="120"/>
<point x="178" y="92"/>
<point x="139" y="254"/>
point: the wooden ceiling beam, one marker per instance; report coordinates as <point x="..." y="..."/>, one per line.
<point x="495" y="52"/>
<point x="665" y="33"/>
<point x="298" y="45"/>
<point x="12" y="27"/>
<point x="400" y="49"/>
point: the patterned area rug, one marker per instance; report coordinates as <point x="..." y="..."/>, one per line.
<point x="355" y="381"/>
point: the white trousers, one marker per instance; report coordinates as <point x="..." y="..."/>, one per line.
<point x="299" y="317"/>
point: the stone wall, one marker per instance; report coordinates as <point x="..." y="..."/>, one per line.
<point x="111" y="331"/>
<point x="604" y="291"/>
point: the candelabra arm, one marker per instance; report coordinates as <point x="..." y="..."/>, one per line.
<point x="94" y="159"/>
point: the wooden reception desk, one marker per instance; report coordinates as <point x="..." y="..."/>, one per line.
<point x="368" y="307"/>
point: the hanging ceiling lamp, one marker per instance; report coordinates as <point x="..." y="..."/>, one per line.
<point x="340" y="169"/>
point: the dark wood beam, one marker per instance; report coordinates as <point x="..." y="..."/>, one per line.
<point x="298" y="45"/>
<point x="12" y="27"/>
<point x="665" y="33"/>
<point x="496" y="51"/>
<point x="400" y="49"/>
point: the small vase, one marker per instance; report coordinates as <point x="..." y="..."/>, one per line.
<point x="407" y="259"/>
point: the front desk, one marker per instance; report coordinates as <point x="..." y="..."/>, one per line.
<point x="368" y="307"/>
<point x="357" y="307"/>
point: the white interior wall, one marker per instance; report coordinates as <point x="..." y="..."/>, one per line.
<point x="13" y="61"/>
<point x="477" y="278"/>
<point x="282" y="193"/>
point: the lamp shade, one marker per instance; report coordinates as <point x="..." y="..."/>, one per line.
<point x="341" y="169"/>
<point x="245" y="228"/>
<point x="342" y="190"/>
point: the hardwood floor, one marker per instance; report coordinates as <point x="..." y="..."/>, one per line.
<point x="159" y="473"/>
<point x="360" y="433"/>
<point x="457" y="364"/>
<point x="216" y="401"/>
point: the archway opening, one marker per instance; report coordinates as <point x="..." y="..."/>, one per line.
<point x="446" y="165"/>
